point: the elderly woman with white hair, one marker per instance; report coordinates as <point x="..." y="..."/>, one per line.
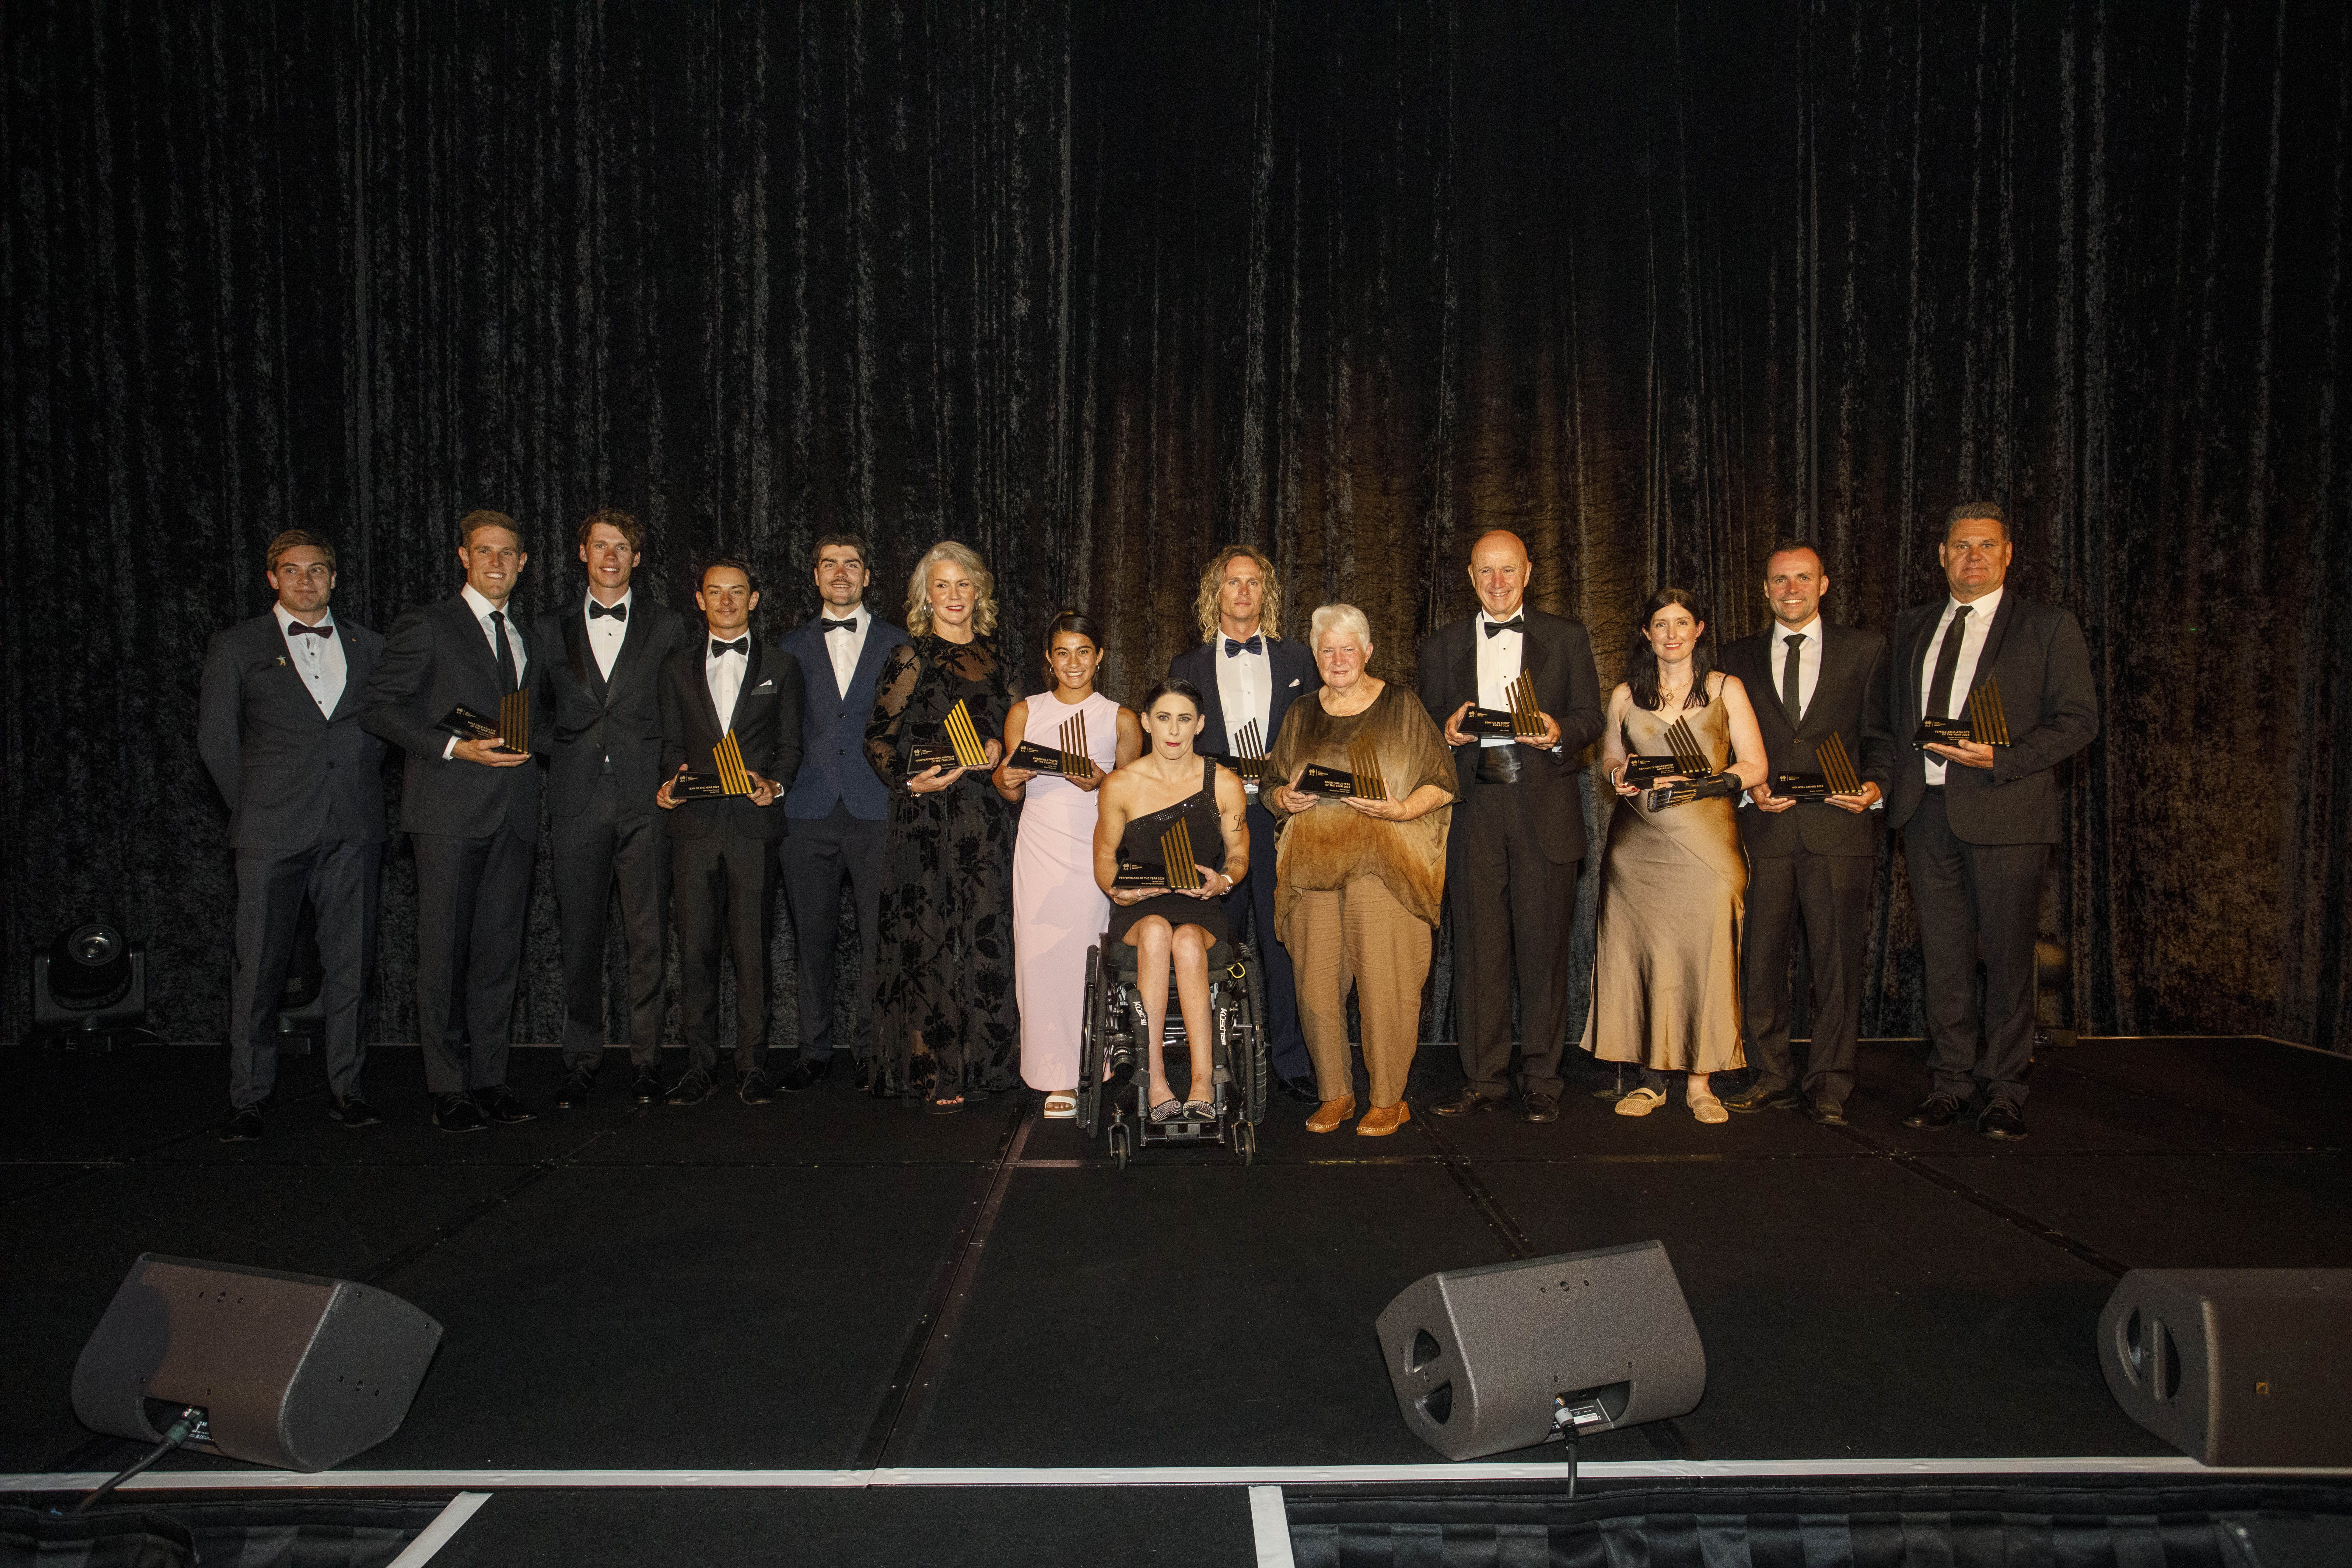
<point x="1359" y="879"/>
<point x="946" y="1023"/>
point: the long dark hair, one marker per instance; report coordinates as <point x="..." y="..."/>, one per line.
<point x="1642" y="663"/>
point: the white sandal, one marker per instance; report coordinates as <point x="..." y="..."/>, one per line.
<point x="1062" y="1105"/>
<point x="1640" y="1101"/>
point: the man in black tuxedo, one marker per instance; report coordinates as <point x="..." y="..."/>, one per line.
<point x="723" y="849"/>
<point x="1249" y="676"/>
<point x="603" y="669"/>
<point x="837" y="813"/>
<point x="1511" y="861"/>
<point x="1978" y="821"/>
<point x="279" y="727"/>
<point x="471" y="812"/>
<point x="1811" y="860"/>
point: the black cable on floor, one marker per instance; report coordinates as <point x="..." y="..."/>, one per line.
<point x="173" y="1436"/>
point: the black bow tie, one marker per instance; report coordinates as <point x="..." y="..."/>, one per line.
<point x="849" y="626"/>
<point x="1516" y="624"/>
<point x="740" y="645"/>
<point x="300" y="630"/>
<point x="618" y="612"/>
<point x="1253" y="644"/>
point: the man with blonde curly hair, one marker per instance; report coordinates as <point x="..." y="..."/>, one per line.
<point x="1250" y="676"/>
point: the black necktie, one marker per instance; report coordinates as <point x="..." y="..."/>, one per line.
<point x="618" y="612"/>
<point x="1948" y="660"/>
<point x="741" y="644"/>
<point x="1791" y="703"/>
<point x="1252" y="644"/>
<point x="300" y="630"/>
<point x="1516" y="624"/>
<point x="505" y="652"/>
<point x="849" y="626"/>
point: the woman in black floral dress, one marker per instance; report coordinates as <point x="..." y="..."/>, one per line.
<point x="944" y="1011"/>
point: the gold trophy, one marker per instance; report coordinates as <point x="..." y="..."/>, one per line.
<point x="729" y="775"/>
<point x="960" y="749"/>
<point x="1071" y="762"/>
<point x="1836" y="776"/>
<point x="511" y="729"/>
<point x="1684" y="756"/>
<point x="1249" y="755"/>
<point x="1519" y="722"/>
<point x="1178" y="870"/>
<point x="1987" y="724"/>
<point x="1362" y="780"/>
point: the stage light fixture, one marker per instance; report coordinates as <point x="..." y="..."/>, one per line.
<point x="89" y="989"/>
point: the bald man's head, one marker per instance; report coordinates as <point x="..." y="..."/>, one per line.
<point x="1500" y="572"/>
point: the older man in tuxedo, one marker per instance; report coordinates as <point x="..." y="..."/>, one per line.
<point x="470" y="808"/>
<point x="604" y="653"/>
<point x="1518" y="835"/>
<point x="838" y="814"/>
<point x="1249" y="676"/>
<point x="278" y="725"/>
<point x="1809" y="860"/>
<point x="1977" y="820"/>
<point x="723" y="848"/>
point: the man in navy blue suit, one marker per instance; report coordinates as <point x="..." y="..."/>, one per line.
<point x="1250" y="676"/>
<point x="838" y="811"/>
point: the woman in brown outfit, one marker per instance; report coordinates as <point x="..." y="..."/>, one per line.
<point x="1358" y="884"/>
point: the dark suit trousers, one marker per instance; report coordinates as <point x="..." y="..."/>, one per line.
<point x="1510" y="900"/>
<point x="1975" y="899"/>
<point x="814" y="856"/>
<point x="340" y="880"/>
<point x="473" y="896"/>
<point x="721" y="892"/>
<point x="601" y="847"/>
<point x="1285" y="1041"/>
<point x="1829" y="895"/>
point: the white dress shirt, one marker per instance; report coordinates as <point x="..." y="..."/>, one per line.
<point x="1245" y="690"/>
<point x="318" y="660"/>
<point x="1498" y="666"/>
<point x="846" y="648"/>
<point x="1964" y="674"/>
<point x="723" y="672"/>
<point x="1808" y="663"/>
<point x="606" y="634"/>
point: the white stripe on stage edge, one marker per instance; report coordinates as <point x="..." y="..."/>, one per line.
<point x="1270" y="1526"/>
<point x="436" y="1535"/>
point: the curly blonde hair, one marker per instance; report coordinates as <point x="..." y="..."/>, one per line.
<point x="1205" y="605"/>
<point x="919" y="604"/>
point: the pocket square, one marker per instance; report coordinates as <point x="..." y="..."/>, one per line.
<point x="1294" y="683"/>
<point x="765" y="686"/>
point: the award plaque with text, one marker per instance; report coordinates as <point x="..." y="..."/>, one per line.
<point x="1986" y="722"/>
<point x="1519" y="722"/>
<point x="728" y="775"/>
<point x="511" y="729"/>
<point x="958" y="745"/>
<point x="1178" y="870"/>
<point x="1836" y="776"/>
<point x="1362" y="780"/>
<point x="1071" y="762"/>
<point x="1684" y="759"/>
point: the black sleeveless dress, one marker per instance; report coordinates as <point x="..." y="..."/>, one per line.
<point x="1139" y="845"/>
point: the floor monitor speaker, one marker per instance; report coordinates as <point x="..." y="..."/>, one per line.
<point x="2235" y="1366"/>
<point x="290" y="1369"/>
<point x="1488" y="1360"/>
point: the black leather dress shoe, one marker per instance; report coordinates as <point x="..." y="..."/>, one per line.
<point x="1539" y="1108"/>
<point x="578" y="1084"/>
<point x="1936" y="1111"/>
<point x="1301" y="1090"/>
<point x="353" y="1111"/>
<point x="2001" y="1121"/>
<point x="646" y="1088"/>
<point x="498" y="1103"/>
<point x="457" y="1113"/>
<point x="244" y="1127"/>
<point x="805" y="1074"/>
<point x="754" y="1089"/>
<point x="1756" y="1097"/>
<point x="1469" y="1102"/>
<point x="692" y="1088"/>
<point x="1828" y="1112"/>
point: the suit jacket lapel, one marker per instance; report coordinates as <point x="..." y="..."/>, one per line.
<point x="470" y="633"/>
<point x="1466" y="659"/>
<point x="869" y="658"/>
<point x="1915" y="663"/>
<point x="576" y="654"/>
<point x="1534" y="652"/>
<point x="355" y="676"/>
<point x="636" y="632"/>
<point x="1994" y="635"/>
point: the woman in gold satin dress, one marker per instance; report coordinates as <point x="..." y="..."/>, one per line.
<point x="1665" y="965"/>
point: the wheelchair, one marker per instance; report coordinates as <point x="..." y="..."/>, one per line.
<point x="1113" y="1037"/>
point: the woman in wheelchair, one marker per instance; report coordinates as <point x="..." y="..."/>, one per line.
<point x="1142" y="805"/>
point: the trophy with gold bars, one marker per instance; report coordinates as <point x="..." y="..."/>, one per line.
<point x="1684" y="756"/>
<point x="1519" y="722"/>
<point x="511" y="729"/>
<point x="728" y="775"/>
<point x="1987" y="722"/>
<point x="1179" y="871"/>
<point x="1362" y="780"/>
<point x="1836" y="776"/>
<point x="960" y="746"/>
<point x="1249" y="755"/>
<point x="1070" y="762"/>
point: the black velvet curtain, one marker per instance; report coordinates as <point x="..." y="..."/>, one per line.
<point x="1093" y="287"/>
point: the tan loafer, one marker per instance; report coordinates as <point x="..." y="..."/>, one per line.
<point x="1330" y="1113"/>
<point x="1382" y="1120"/>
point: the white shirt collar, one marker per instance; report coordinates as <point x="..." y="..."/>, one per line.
<point x="1487" y="620"/>
<point x="482" y="607"/>
<point x="285" y="621"/>
<point x="587" y="599"/>
<point x="1263" y="637"/>
<point x="1982" y="610"/>
<point x="1783" y="631"/>
<point x="856" y="612"/>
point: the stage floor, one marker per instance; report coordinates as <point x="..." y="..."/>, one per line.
<point x="833" y="1283"/>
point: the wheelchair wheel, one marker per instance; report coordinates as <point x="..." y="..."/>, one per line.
<point x="1092" y="1042"/>
<point x="1119" y="1143"/>
<point x="1253" y="1072"/>
<point x="1245" y="1141"/>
